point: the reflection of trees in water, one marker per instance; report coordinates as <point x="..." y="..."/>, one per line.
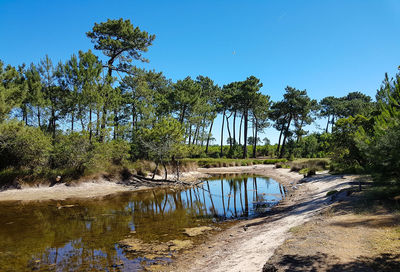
<point x="84" y="236"/>
<point x="54" y="235"/>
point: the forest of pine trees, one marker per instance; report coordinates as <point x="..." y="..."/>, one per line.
<point x="98" y="109"/>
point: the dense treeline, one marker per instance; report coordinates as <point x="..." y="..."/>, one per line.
<point x="92" y="112"/>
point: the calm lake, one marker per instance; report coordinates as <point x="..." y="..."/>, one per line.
<point x="84" y="235"/>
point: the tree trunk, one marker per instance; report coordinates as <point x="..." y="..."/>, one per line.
<point x="203" y="129"/>
<point x="182" y="117"/>
<point x="53" y="122"/>
<point x="38" y="115"/>
<point x="285" y="136"/>
<point x="234" y="128"/>
<point x="133" y="122"/>
<point x="103" y="124"/>
<point x="255" y="139"/>
<point x="165" y="171"/>
<point x="299" y="135"/>
<point x="327" y="125"/>
<point x="229" y="132"/>
<point x="155" y="171"/>
<point x="245" y="133"/>
<point x="190" y="134"/>
<point x="209" y="136"/>
<point x="279" y="141"/>
<point x="97" y="122"/>
<point x="90" y="124"/>
<point x="222" y="133"/>
<point x="116" y="124"/>
<point x="195" y="135"/>
<point x="240" y="129"/>
<point x="72" y="121"/>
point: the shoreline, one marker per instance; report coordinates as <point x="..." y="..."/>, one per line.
<point x="101" y="186"/>
<point x="248" y="245"/>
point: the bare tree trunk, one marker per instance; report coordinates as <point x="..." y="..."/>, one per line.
<point x="245" y="134"/>
<point x="234" y="128"/>
<point x="155" y="171"/>
<point x="38" y="115"/>
<point x="165" y="170"/>
<point x="327" y="124"/>
<point x="72" y="121"/>
<point x="240" y="129"/>
<point x="182" y="117"/>
<point x="229" y="131"/>
<point x="116" y="124"/>
<point x="299" y="135"/>
<point x="90" y="124"/>
<point x="285" y="136"/>
<point x="196" y="134"/>
<point x="255" y="138"/>
<point x="103" y="124"/>
<point x="203" y="127"/>
<point x="97" y="122"/>
<point x="222" y="133"/>
<point x="279" y="141"/>
<point x="209" y="136"/>
<point x="190" y="133"/>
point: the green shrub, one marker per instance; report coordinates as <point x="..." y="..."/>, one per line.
<point x="71" y="151"/>
<point x="273" y="161"/>
<point x="113" y="152"/>
<point x="23" y="146"/>
<point x="331" y="193"/>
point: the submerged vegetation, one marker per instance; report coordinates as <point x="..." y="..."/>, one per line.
<point x="101" y="113"/>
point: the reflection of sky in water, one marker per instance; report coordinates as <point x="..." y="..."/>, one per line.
<point x="39" y="236"/>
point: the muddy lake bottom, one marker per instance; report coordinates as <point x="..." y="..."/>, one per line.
<point x="129" y="231"/>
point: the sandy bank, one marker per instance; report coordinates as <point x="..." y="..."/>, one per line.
<point x="88" y="189"/>
<point x="249" y="244"/>
<point x="101" y="187"/>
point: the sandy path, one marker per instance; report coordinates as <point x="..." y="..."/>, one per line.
<point x="248" y="245"/>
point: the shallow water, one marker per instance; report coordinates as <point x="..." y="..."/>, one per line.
<point x="83" y="235"/>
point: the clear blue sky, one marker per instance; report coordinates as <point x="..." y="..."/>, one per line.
<point x="326" y="47"/>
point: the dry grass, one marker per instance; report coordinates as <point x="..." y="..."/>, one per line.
<point x="342" y="240"/>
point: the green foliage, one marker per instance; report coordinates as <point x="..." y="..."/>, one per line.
<point x="12" y="90"/>
<point x="164" y="140"/>
<point x="23" y="146"/>
<point x="71" y="151"/>
<point x="331" y="193"/>
<point x="120" y="41"/>
<point x="114" y="152"/>
<point x="379" y="142"/>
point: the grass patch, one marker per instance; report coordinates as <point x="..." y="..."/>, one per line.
<point x="308" y="167"/>
<point x="331" y="192"/>
<point x="225" y="162"/>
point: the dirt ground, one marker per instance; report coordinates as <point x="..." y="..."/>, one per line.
<point x="342" y="238"/>
<point x="249" y="244"/>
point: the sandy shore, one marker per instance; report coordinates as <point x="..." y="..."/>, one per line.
<point x="101" y="187"/>
<point x="97" y="187"/>
<point x="249" y="244"/>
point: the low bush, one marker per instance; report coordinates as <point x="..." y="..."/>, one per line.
<point x="23" y="146"/>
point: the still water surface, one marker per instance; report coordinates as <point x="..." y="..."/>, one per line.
<point x="83" y="235"/>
